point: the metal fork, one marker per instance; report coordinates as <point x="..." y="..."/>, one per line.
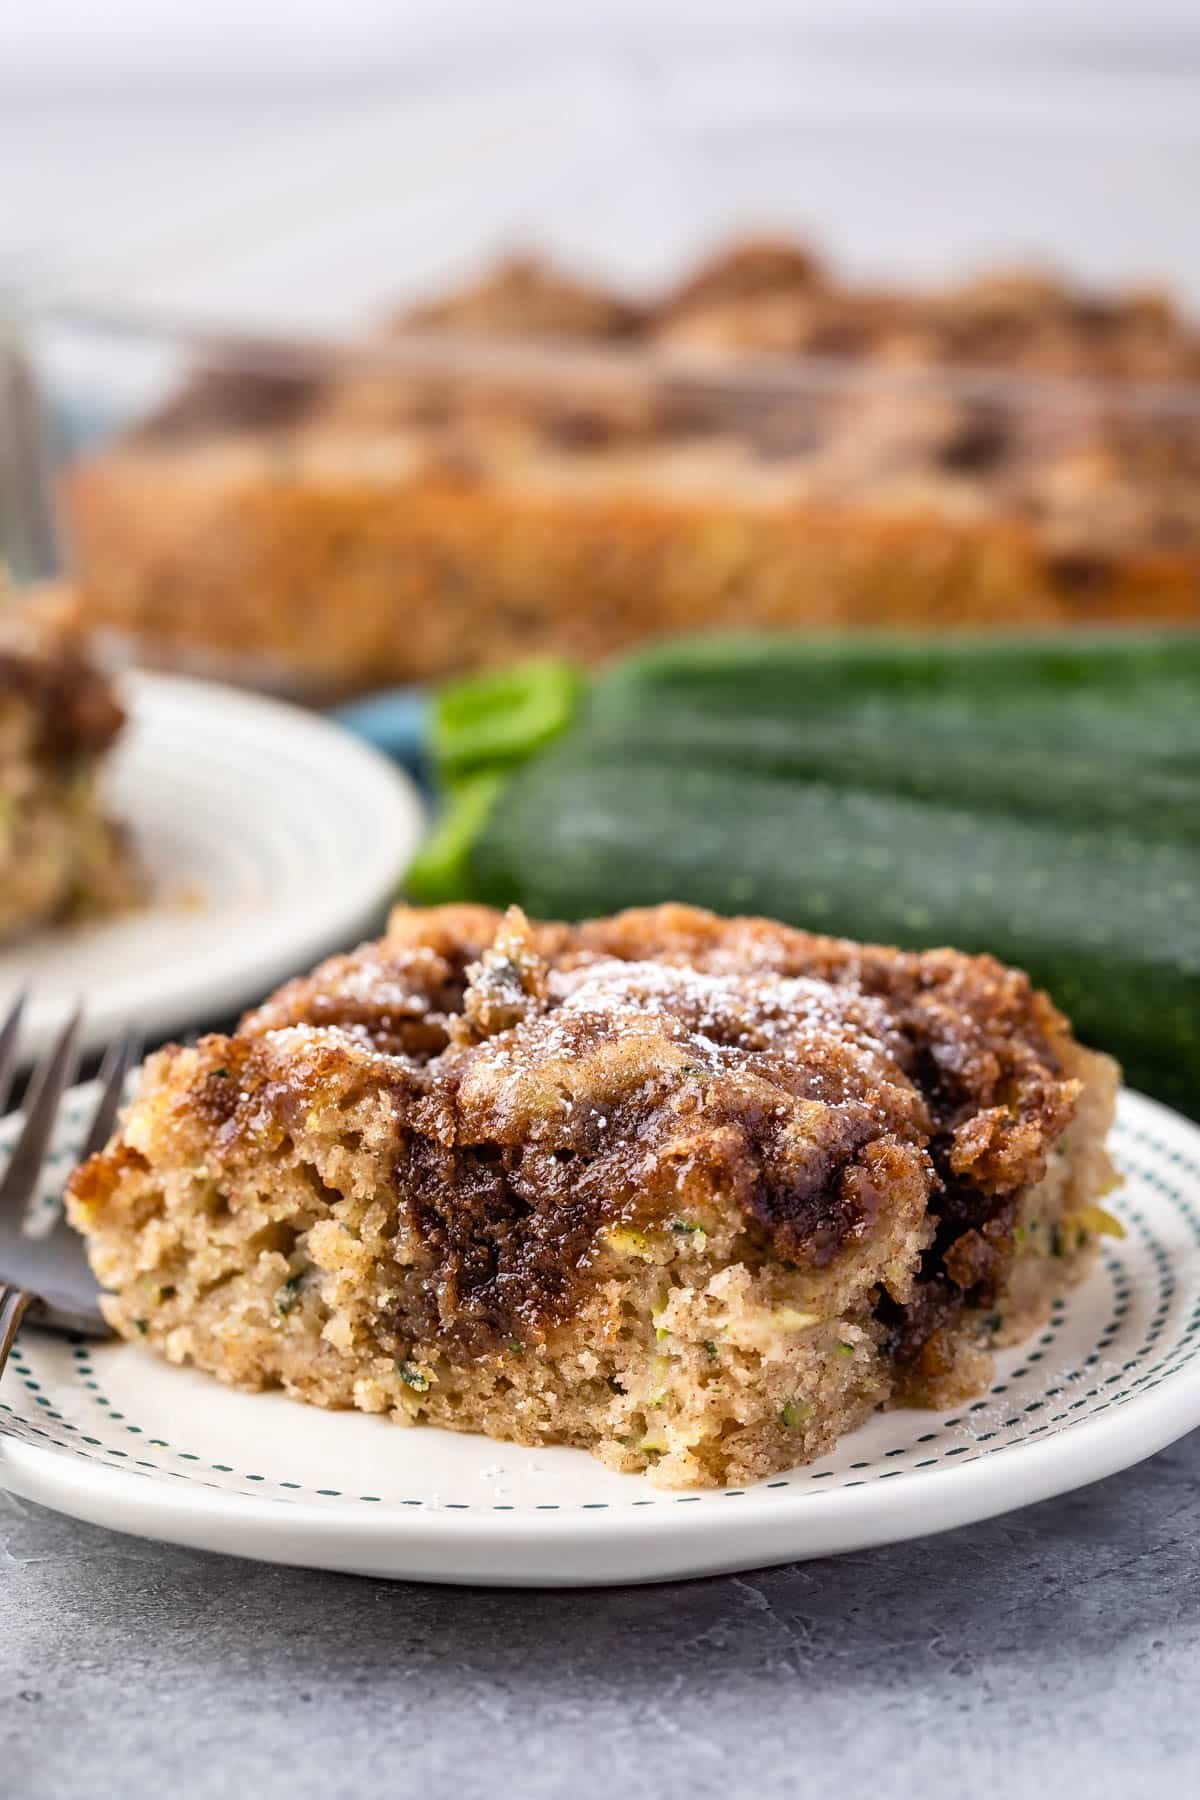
<point x="47" y="1275"/>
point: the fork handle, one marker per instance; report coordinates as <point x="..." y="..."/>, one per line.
<point x="14" y="1303"/>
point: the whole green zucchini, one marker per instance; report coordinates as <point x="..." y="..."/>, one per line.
<point x="968" y="674"/>
<point x="1093" y="782"/>
<point x="1106" y="920"/>
<point x="1039" y="801"/>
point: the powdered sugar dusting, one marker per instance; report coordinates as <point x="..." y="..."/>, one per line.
<point x="735" y="1012"/>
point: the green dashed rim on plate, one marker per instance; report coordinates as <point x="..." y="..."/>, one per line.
<point x="111" y="1434"/>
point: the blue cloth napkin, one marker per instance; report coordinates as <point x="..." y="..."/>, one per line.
<point x="396" y="721"/>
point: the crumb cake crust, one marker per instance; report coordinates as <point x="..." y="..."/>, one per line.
<point x="597" y="1102"/>
<point x="976" y="1040"/>
<point x="555" y="1080"/>
<point x="72" y="709"/>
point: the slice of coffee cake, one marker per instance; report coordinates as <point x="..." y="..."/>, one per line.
<point x="697" y="1194"/>
<point x="59" y="852"/>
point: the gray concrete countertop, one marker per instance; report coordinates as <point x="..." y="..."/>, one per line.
<point x="1056" y="1651"/>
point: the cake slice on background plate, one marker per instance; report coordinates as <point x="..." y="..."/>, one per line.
<point x="61" y="856"/>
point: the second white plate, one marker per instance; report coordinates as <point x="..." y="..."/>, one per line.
<point x="270" y="838"/>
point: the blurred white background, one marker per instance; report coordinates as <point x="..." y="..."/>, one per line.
<point x="179" y="156"/>
<point x="75" y="42"/>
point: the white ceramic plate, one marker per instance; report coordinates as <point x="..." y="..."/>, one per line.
<point x="270" y="837"/>
<point x="108" y="1434"/>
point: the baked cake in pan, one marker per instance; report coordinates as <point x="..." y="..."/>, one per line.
<point x="696" y="1194"/>
<point x="535" y="463"/>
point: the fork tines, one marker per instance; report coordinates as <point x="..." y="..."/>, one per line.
<point x="9" y="1034"/>
<point x="51" y="1078"/>
<point x="122" y="1055"/>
